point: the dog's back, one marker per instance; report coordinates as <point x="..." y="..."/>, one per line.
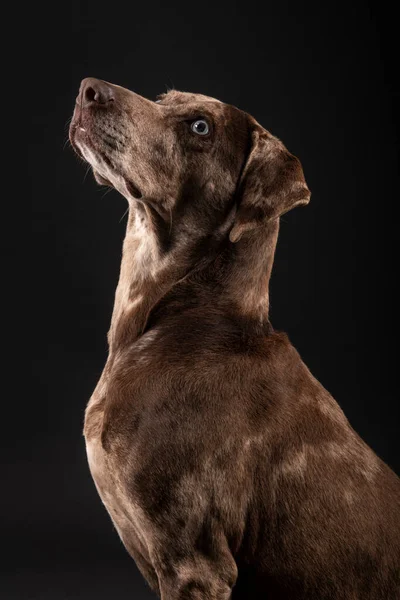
<point x="324" y="521"/>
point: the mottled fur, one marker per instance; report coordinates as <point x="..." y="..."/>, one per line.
<point x="226" y="467"/>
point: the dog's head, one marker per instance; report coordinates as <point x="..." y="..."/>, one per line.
<point x="186" y="154"/>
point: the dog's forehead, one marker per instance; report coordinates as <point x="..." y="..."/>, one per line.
<point x="187" y="97"/>
<point x="188" y="100"/>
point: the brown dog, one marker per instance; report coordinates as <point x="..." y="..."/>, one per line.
<point x="227" y="469"/>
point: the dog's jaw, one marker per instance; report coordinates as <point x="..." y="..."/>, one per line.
<point x="102" y="144"/>
<point x="105" y="170"/>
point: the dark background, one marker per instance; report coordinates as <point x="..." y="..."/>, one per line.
<point x="321" y="78"/>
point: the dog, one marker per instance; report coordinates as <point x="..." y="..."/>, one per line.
<point x="226" y="467"/>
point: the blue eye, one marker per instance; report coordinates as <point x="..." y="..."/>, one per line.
<point x="200" y="127"/>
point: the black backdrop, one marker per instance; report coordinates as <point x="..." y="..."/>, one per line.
<point x="320" y="78"/>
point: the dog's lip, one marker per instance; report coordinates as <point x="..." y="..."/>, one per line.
<point x="79" y="133"/>
<point x="133" y="188"/>
<point x="77" y="125"/>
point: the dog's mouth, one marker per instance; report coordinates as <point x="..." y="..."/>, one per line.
<point x="102" y="143"/>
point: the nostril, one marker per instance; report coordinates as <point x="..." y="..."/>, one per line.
<point x="90" y="94"/>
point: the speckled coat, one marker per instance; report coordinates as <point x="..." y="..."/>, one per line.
<point x="226" y="467"/>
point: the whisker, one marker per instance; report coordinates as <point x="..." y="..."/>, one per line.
<point x="68" y="123"/>
<point x="87" y="171"/>
<point x="124" y="214"/>
<point x="107" y="192"/>
<point x="169" y="89"/>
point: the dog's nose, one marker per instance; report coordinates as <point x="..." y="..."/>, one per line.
<point x="95" y="91"/>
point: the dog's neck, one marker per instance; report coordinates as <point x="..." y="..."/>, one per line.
<point x="230" y="277"/>
<point x="250" y="263"/>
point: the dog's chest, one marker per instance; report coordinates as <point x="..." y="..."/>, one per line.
<point x="108" y="477"/>
<point x="100" y="474"/>
<point x="126" y="514"/>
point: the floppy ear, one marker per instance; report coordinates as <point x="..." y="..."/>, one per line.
<point x="271" y="184"/>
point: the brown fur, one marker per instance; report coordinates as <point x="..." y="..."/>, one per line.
<point x="227" y="469"/>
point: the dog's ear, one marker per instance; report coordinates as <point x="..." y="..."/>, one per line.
<point x="272" y="183"/>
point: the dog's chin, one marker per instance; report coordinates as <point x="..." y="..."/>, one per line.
<point x="131" y="188"/>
